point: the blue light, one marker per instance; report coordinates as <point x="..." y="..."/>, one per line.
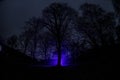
<point x="54" y="61"/>
<point x="64" y="59"/>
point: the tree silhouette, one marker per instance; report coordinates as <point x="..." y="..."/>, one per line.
<point x="31" y="35"/>
<point x="57" y="19"/>
<point x="44" y="44"/>
<point x="97" y="25"/>
<point x="116" y="4"/>
<point x="24" y="40"/>
<point x="12" y="41"/>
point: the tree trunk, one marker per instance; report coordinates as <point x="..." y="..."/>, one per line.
<point x="59" y="54"/>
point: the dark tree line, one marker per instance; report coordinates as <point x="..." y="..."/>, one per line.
<point x="97" y="25"/>
<point x="60" y="24"/>
<point x="116" y="5"/>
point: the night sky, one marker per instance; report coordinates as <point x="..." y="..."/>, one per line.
<point x="13" y="13"/>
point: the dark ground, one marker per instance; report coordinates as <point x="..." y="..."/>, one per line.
<point x="96" y="64"/>
<point x="86" y="72"/>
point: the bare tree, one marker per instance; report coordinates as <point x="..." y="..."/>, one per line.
<point x="57" y="19"/>
<point x="116" y="4"/>
<point x="12" y="41"/>
<point x="24" y="40"/>
<point x="31" y="34"/>
<point x="96" y="24"/>
<point x="45" y="44"/>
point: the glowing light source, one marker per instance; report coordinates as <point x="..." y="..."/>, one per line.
<point x="64" y="59"/>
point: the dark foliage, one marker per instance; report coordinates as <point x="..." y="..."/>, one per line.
<point x="11" y="57"/>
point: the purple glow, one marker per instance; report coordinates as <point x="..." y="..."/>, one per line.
<point x="54" y="61"/>
<point x="64" y="59"/>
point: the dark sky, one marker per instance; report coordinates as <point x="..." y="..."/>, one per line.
<point x="13" y="13"/>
